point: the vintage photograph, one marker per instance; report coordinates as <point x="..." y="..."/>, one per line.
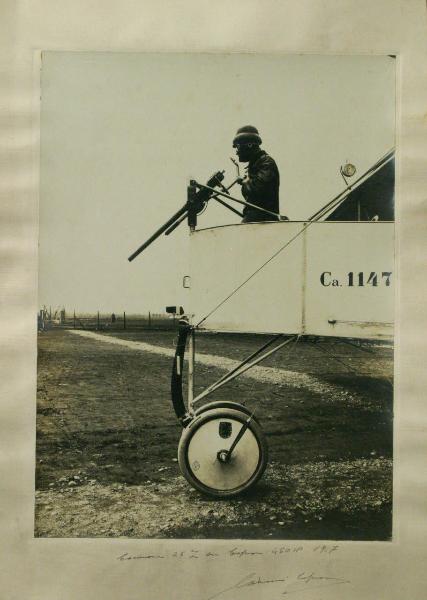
<point x="216" y="296"/>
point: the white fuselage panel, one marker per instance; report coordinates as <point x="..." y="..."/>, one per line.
<point x="323" y="278"/>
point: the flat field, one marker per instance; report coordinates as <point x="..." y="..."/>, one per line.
<point x="107" y="440"/>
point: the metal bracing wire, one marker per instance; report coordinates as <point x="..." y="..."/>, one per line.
<point x="343" y="195"/>
<point x="242" y="367"/>
<point x="254" y="273"/>
<point x="244" y="362"/>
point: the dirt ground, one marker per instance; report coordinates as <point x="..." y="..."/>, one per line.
<point x="107" y="441"/>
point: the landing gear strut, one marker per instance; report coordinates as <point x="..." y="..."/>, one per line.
<point x="223" y="450"/>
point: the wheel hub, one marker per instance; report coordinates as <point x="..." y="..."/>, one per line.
<point x="223" y="456"/>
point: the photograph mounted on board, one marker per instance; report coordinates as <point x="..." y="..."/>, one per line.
<point x="216" y="296"/>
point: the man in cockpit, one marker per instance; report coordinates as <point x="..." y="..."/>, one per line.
<point x="260" y="186"/>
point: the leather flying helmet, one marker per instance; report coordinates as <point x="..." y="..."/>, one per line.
<point x="247" y="135"/>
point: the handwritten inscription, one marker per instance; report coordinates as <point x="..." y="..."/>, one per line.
<point x="236" y="552"/>
<point x="282" y="584"/>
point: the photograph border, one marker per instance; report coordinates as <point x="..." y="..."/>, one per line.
<point x="76" y="568"/>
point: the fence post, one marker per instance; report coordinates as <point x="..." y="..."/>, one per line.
<point x="124" y="320"/>
<point x="97" y="320"/>
<point x="74" y="320"/>
<point x="149" y="320"/>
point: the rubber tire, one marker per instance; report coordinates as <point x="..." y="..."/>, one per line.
<point x="198" y="422"/>
<point x="225" y="404"/>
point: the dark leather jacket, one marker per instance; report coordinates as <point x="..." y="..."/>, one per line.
<point x="261" y="187"/>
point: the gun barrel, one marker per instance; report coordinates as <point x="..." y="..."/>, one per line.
<point x="177" y="222"/>
<point x="189" y="209"/>
<point x="159" y="232"/>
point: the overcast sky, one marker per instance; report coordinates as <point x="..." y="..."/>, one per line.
<point x="121" y="134"/>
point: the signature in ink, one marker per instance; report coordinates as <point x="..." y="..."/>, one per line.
<point x="310" y="578"/>
<point x="247" y="581"/>
<point x="302" y="582"/>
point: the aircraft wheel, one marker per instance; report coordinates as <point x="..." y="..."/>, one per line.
<point x="222" y="452"/>
<point x="224" y="404"/>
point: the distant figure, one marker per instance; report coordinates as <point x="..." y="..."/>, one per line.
<point x="41" y="323"/>
<point x="260" y="186"/>
<point x="113" y="318"/>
